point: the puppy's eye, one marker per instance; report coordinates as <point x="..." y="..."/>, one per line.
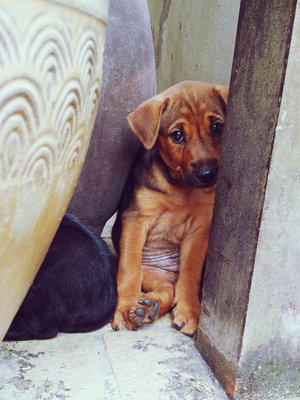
<point x="178" y="137"/>
<point x="216" y="129"/>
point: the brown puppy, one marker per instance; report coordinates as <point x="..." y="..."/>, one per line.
<point x="162" y="228"/>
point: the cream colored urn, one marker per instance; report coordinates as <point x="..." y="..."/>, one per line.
<point x="51" y="62"/>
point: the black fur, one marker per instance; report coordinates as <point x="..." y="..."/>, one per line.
<point x="74" y="289"/>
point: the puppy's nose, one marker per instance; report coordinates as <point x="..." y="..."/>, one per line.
<point x="207" y="173"/>
<point x="207" y="170"/>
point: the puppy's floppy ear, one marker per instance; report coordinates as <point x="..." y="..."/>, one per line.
<point x="222" y="92"/>
<point x="145" y="120"/>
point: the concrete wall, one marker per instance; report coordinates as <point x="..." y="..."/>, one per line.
<point x="249" y="327"/>
<point x="193" y="39"/>
<point x="273" y="317"/>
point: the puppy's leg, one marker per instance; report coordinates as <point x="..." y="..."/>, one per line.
<point x="129" y="278"/>
<point x="157" y="300"/>
<point x="187" y="304"/>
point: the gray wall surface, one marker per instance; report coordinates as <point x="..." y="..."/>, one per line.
<point x="273" y="318"/>
<point x="193" y="39"/>
<point x="249" y="327"/>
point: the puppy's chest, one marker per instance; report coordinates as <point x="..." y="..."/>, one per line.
<point x="173" y="221"/>
<point x="168" y="230"/>
<point x="162" y="246"/>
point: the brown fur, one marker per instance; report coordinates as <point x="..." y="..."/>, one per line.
<point x="170" y="203"/>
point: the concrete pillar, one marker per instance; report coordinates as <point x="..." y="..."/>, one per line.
<point x="193" y="39"/>
<point x="249" y="329"/>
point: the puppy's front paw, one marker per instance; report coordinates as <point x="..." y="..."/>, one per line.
<point x="186" y="319"/>
<point x="121" y="319"/>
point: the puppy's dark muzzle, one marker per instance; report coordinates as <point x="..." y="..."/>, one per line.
<point x="203" y="173"/>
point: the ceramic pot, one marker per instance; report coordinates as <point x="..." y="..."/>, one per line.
<point x="51" y="62"/>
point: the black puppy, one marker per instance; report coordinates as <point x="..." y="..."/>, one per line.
<point x="74" y="289"/>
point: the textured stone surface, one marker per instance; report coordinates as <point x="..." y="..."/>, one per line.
<point x="159" y="363"/>
<point x="271" y="346"/>
<point x="193" y="39"/>
<point x="68" y="367"/>
<point x="249" y="327"/>
<point x="156" y="363"/>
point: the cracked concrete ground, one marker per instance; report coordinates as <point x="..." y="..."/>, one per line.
<point x="156" y="362"/>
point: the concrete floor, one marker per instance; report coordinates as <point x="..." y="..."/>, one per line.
<point x="156" y="362"/>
